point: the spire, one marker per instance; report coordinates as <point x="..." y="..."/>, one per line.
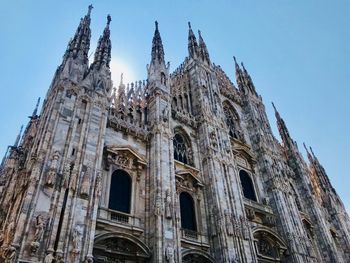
<point x="35" y="111"/>
<point x="192" y="42"/>
<point x="239" y="75"/>
<point x="309" y="156"/>
<point x="80" y="43"/>
<point x="104" y="47"/>
<point x="203" y="51"/>
<point x="282" y="128"/>
<point x="18" y="137"/>
<point x="157" y="47"/>
<point x="248" y="80"/>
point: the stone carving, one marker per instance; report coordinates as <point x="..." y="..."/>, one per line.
<point x="165" y="113"/>
<point x="49" y="257"/>
<point x="168" y="205"/>
<point x="98" y="183"/>
<point x="158" y="205"/>
<point x="245" y="228"/>
<point x="85" y="185"/>
<point x="77" y="236"/>
<point x="66" y="174"/>
<point x="169" y="254"/>
<point x="51" y="174"/>
<point x="88" y="259"/>
<point x="39" y="231"/>
<point x="228" y="222"/>
<point x="250" y="213"/>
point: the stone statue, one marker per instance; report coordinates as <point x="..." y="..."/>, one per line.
<point x="76" y="239"/>
<point x="85" y="186"/>
<point x="168" y="204"/>
<point x="39" y="225"/>
<point x="49" y="258"/>
<point x="228" y="221"/>
<point x="51" y="175"/>
<point x="66" y="174"/>
<point x="158" y="205"/>
<point x="169" y="254"/>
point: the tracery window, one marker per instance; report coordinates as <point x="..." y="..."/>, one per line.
<point x="120" y="192"/>
<point x="188" y="214"/>
<point x="182" y="150"/>
<point x="247" y="185"/>
<point x="232" y="121"/>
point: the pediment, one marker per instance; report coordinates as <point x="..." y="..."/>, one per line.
<point x="243" y="151"/>
<point x="188" y="179"/>
<point x="124" y="156"/>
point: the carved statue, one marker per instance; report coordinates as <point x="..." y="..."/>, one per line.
<point x="49" y="258"/>
<point x="85" y="186"/>
<point x="169" y="254"/>
<point x="158" y="205"/>
<point x="66" y="174"/>
<point x="228" y="221"/>
<point x="165" y="113"/>
<point x="51" y="175"/>
<point x="168" y="204"/>
<point x="39" y="225"/>
<point x="76" y="239"/>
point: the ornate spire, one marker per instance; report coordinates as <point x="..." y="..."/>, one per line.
<point x="248" y="80"/>
<point x="157" y="47"/>
<point x="203" y="51"/>
<point x="192" y="42"/>
<point x="239" y="75"/>
<point x="35" y="111"/>
<point x="80" y="43"/>
<point x="309" y="156"/>
<point x="18" y="137"/>
<point x="104" y="47"/>
<point x="282" y="128"/>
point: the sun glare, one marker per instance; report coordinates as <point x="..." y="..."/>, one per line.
<point x="118" y="66"/>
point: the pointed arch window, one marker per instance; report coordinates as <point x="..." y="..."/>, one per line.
<point x="232" y="121"/>
<point x="120" y="192"/>
<point x="247" y="185"/>
<point x="188" y="214"/>
<point x="182" y="149"/>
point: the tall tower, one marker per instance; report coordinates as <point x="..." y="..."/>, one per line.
<point x="60" y="158"/>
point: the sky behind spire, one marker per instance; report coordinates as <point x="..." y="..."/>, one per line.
<point x="297" y="53"/>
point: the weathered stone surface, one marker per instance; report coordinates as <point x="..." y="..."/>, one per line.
<point x="204" y="177"/>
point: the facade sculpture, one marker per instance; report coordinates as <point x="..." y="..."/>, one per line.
<point x="182" y="167"/>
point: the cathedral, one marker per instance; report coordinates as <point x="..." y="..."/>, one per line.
<point x="182" y="167"/>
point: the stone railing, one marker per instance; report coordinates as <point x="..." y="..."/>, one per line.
<point x="194" y="236"/>
<point x="119" y="218"/>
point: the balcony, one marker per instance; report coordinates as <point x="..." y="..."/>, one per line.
<point x="194" y="237"/>
<point x="119" y="219"/>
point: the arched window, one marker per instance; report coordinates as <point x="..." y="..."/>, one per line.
<point x="188" y="214"/>
<point x="120" y="192"/>
<point x="232" y="121"/>
<point x="182" y="151"/>
<point x="247" y="185"/>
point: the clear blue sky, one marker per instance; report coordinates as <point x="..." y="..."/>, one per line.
<point x="297" y="52"/>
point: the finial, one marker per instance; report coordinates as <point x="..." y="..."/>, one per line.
<point x="109" y="19"/>
<point x="121" y="78"/>
<point x="156" y="23"/>
<point x="189" y="25"/>
<point x="18" y="137"/>
<point x="273" y="105"/>
<point x="89" y="9"/>
<point x="234" y="58"/>
<point x="36" y="108"/>
<point x="243" y="66"/>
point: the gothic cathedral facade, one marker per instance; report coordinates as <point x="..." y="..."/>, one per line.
<point x="182" y="167"/>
